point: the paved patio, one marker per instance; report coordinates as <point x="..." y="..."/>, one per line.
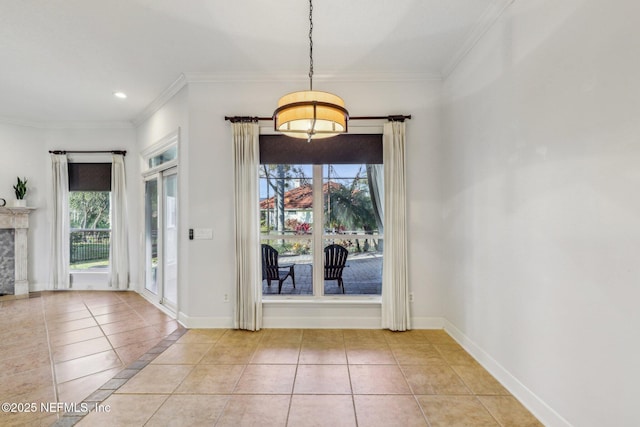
<point x="362" y="276"/>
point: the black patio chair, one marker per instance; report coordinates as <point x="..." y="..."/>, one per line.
<point x="335" y="259"/>
<point x="271" y="270"/>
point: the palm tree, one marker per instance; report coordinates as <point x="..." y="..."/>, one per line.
<point x="349" y="207"/>
<point x="278" y="179"/>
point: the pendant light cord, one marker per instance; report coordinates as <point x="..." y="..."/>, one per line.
<point x="310" y="45"/>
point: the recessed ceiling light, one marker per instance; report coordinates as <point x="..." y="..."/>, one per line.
<point x="120" y="95"/>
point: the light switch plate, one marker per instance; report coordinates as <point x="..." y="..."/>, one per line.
<point x="202" y="233"/>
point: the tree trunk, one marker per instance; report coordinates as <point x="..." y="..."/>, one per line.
<point x="280" y="197"/>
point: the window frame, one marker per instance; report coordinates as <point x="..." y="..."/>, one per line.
<point x="89" y="277"/>
<point x="318" y="238"/>
<point x="158" y="173"/>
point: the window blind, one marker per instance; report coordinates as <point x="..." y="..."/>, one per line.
<point x="89" y="176"/>
<point x="341" y="149"/>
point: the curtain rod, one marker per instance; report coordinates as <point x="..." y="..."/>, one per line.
<point x="392" y="118"/>
<point x="124" y="153"/>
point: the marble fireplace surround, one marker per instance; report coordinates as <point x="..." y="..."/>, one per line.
<point x="17" y="219"/>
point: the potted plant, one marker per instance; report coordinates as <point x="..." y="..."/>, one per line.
<point x="21" y="190"/>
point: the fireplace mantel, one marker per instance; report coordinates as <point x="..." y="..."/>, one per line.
<point x="14" y="218"/>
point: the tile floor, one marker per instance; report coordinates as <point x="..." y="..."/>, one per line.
<point x="61" y="346"/>
<point x="221" y="377"/>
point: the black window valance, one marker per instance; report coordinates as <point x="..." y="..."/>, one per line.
<point x="89" y="176"/>
<point x="341" y="149"/>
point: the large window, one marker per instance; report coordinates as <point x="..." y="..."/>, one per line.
<point x="306" y="210"/>
<point x="287" y="223"/>
<point x="90" y="229"/>
<point x="351" y="220"/>
<point x="89" y="216"/>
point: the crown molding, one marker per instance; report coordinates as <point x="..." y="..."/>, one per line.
<point x="187" y="78"/>
<point x="389" y="77"/>
<point x="162" y="99"/>
<point x="491" y="14"/>
<point x="57" y="125"/>
<point x="488" y="18"/>
<point x="195" y="78"/>
<point x="89" y="125"/>
<point x="22" y="123"/>
<point x="287" y="77"/>
<point x="206" y="77"/>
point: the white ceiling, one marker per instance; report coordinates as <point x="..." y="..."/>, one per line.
<point x="61" y="60"/>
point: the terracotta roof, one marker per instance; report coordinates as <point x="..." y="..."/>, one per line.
<point x="299" y="197"/>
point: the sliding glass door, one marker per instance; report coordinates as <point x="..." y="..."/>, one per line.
<point x="170" y="237"/>
<point x="161" y="237"/>
<point x="151" y="234"/>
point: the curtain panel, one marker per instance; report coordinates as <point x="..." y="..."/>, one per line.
<point x="119" y="248"/>
<point x="395" y="285"/>
<point x="59" y="257"/>
<point x="375" y="177"/>
<point x="248" y="310"/>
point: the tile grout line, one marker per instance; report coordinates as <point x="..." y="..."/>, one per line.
<point x="158" y="408"/>
<point x="104" y="334"/>
<point x="193" y="367"/>
<point x="415" y="398"/>
<point x="237" y="380"/>
<point x="50" y="348"/>
<point x="51" y="311"/>
<point x="295" y="376"/>
<point x="224" y="407"/>
<point x="450" y="366"/>
<point x="101" y="394"/>
<point x="473" y="393"/>
<point x="104" y="392"/>
<point x="353" y="395"/>
<point x="391" y="345"/>
<point x="487" y="409"/>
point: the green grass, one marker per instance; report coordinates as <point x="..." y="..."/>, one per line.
<point x="87" y="265"/>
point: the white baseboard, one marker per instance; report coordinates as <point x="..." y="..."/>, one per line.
<point x="530" y="400"/>
<point x="306" y="322"/>
<point x="284" y="322"/>
<point x="41" y="287"/>
<point x="37" y="287"/>
<point x="202" y="322"/>
<point x="427" y="323"/>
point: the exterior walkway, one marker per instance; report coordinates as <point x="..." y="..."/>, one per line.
<point x="362" y="276"/>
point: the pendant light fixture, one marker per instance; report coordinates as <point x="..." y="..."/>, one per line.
<point x="311" y="114"/>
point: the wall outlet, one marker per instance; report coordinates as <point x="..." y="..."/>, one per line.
<point x="226" y="297"/>
<point x="410" y="296"/>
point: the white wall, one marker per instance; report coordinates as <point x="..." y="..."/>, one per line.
<point x="173" y="116"/>
<point x="24" y="151"/>
<point x="541" y="183"/>
<point x="99" y="140"/>
<point x="207" y="202"/>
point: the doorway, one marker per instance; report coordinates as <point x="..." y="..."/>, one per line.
<point x="161" y="237"/>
